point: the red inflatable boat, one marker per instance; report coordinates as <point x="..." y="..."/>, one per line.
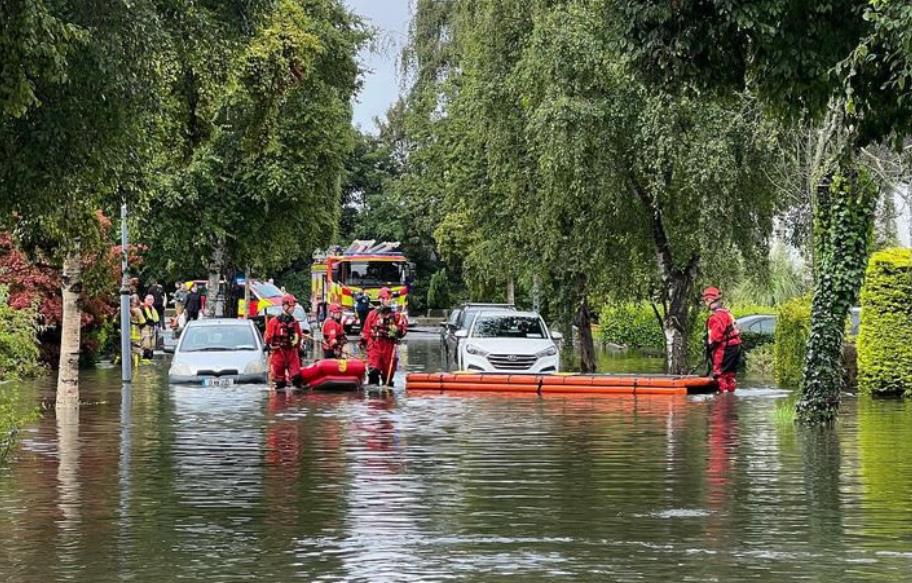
<point x="593" y="384"/>
<point x="334" y="375"/>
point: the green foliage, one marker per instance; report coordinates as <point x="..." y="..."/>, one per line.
<point x="18" y="359"/>
<point x="760" y="361"/>
<point x="632" y="325"/>
<point x="18" y="340"/>
<point x="438" y="295"/>
<point x="255" y="177"/>
<point x="841" y="232"/>
<point x="885" y="337"/>
<point x="772" y="283"/>
<point x="793" y="325"/>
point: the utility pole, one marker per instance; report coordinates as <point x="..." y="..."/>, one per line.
<point x="126" y="352"/>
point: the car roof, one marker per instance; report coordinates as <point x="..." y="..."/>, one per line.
<point x="513" y="313"/>
<point x="486" y="305"/>
<point x="219" y="322"/>
<point x="756" y="317"/>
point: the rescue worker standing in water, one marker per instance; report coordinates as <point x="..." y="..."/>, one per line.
<point x="333" y="333"/>
<point x="723" y="340"/>
<point x="380" y="334"/>
<point x="283" y="336"/>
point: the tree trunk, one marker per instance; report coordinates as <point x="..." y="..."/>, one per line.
<point x="677" y="288"/>
<point x="583" y="321"/>
<point x="845" y="211"/>
<point x="213" y="307"/>
<point x="70" y="328"/>
<point x="675" y="324"/>
<point x="511" y="290"/>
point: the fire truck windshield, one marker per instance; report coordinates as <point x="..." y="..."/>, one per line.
<point x="368" y="273"/>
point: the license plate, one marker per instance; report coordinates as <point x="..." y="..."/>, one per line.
<point x="218" y="382"/>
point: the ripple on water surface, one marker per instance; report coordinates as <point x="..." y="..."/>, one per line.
<point x="179" y="483"/>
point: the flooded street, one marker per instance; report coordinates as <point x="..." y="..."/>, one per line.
<point x="228" y="484"/>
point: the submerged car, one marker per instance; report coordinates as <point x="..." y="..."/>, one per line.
<point x="219" y="351"/>
<point x="461" y="318"/>
<point x="508" y="341"/>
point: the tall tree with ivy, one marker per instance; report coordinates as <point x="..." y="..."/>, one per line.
<point x="843" y="63"/>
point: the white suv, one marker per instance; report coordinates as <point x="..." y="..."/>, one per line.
<point x="508" y="341"/>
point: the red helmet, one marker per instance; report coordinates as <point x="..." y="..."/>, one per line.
<point x="385" y="293"/>
<point x="712" y="294"/>
<point x="289" y="299"/>
<point x="335" y="309"/>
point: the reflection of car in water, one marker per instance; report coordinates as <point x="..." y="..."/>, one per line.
<point x="219" y="351"/>
<point x="508" y="341"/>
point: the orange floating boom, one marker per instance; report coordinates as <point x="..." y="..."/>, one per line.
<point x="561" y="383"/>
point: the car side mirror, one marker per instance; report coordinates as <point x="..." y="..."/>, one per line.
<point x="462" y="334"/>
<point x="557" y="336"/>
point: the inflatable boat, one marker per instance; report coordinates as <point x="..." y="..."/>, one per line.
<point x="334" y="375"/>
<point x="594" y="384"/>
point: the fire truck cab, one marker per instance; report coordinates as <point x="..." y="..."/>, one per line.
<point x="341" y="276"/>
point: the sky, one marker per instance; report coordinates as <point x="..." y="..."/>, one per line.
<point x="382" y="81"/>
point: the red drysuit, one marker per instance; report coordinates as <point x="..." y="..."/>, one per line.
<point x="381" y="333"/>
<point x="283" y="335"/>
<point x="333" y="338"/>
<point x="723" y="347"/>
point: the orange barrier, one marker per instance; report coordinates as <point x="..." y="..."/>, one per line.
<point x="561" y="383"/>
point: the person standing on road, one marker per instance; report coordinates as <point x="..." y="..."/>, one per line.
<point x="380" y="334"/>
<point x="194" y="303"/>
<point x="137" y="324"/>
<point x="158" y="301"/>
<point x="333" y="333"/>
<point x="283" y="336"/>
<point x="723" y="340"/>
<point x="363" y="307"/>
<point x="149" y="330"/>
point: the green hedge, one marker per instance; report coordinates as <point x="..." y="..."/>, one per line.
<point x="18" y="358"/>
<point x="885" y="337"/>
<point x="635" y="325"/>
<point x="793" y="326"/>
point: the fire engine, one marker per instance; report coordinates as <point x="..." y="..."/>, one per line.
<point x="340" y="276"/>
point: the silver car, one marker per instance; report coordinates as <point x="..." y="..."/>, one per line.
<point x="220" y="351"/>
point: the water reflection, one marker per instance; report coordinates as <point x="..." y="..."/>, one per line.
<point x="167" y="483"/>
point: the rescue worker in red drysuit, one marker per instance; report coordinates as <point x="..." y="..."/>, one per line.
<point x="382" y="331"/>
<point x="723" y="340"/>
<point x="283" y="336"/>
<point x="333" y="333"/>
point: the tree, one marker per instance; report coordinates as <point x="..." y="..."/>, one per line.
<point x="83" y="83"/>
<point x="260" y="186"/>
<point x="850" y="76"/>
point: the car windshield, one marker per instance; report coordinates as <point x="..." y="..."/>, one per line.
<point x="508" y="327"/>
<point x="218" y="339"/>
<point x="266" y="290"/>
<point x="368" y="273"/>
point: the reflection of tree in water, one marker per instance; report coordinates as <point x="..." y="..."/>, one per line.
<point x="821" y="458"/>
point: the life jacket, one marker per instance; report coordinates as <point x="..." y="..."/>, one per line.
<point x="731" y="335"/>
<point x="334" y="329"/>
<point x="284" y="336"/>
<point x="383" y="324"/>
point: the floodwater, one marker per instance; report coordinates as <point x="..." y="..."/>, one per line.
<point x="162" y="483"/>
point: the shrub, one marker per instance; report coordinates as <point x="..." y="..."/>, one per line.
<point x="793" y="326"/>
<point x="18" y="339"/>
<point x="759" y="361"/>
<point x="633" y="325"/>
<point x="438" y="294"/>
<point x="885" y="337"/>
<point x="18" y="358"/>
